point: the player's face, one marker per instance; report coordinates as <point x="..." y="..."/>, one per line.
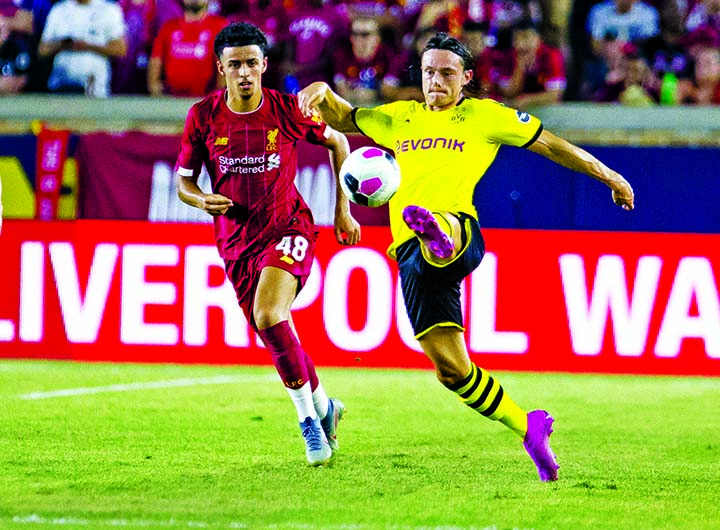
<point x="443" y="78"/>
<point x="242" y="67"/>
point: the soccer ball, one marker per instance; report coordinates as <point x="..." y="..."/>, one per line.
<point x="369" y="176"/>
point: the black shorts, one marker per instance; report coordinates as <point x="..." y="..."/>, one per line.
<point x="432" y="292"/>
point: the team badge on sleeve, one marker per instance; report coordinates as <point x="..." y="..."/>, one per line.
<point x="523" y="117"/>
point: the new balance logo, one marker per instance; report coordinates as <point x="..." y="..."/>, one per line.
<point x="221" y="140"/>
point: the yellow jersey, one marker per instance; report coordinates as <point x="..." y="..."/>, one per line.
<point x="442" y="154"/>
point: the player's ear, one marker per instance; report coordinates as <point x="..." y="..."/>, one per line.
<point x="220" y="68"/>
<point x="468" y="75"/>
<point x="264" y="64"/>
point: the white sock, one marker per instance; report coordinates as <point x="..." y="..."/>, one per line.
<point x="321" y="401"/>
<point x="303" y="400"/>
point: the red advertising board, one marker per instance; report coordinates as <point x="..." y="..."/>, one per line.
<point x="637" y="303"/>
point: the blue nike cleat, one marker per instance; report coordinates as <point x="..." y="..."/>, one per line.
<point x="317" y="450"/>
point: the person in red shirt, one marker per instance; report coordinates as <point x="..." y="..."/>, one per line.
<point x="246" y="136"/>
<point x="537" y="70"/>
<point x="182" y="63"/>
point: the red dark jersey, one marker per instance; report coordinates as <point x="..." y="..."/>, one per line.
<point x="186" y="50"/>
<point x="252" y="159"/>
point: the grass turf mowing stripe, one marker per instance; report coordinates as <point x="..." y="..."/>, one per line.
<point x="637" y="453"/>
<point x="129" y="387"/>
<point x="74" y="522"/>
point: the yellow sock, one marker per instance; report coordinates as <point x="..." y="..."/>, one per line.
<point x="482" y="392"/>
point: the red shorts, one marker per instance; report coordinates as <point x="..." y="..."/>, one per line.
<point x="292" y="251"/>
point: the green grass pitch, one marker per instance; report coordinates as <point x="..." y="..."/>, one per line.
<point x="218" y="447"/>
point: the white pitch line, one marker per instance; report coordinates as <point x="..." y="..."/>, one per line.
<point x="35" y="519"/>
<point x="129" y="387"/>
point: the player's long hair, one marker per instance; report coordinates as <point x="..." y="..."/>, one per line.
<point x="442" y="41"/>
<point x="238" y="35"/>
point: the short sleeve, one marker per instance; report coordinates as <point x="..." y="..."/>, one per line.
<point x="310" y="128"/>
<point x="378" y="122"/>
<point x="50" y="32"/>
<point x="192" y="147"/>
<point x="116" y="22"/>
<point x="510" y="126"/>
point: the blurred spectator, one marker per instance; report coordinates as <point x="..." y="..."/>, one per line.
<point x="313" y="33"/>
<point x="82" y="36"/>
<point x="271" y="17"/>
<point x="165" y="11"/>
<point x="706" y="13"/>
<point x="488" y="60"/>
<point x="16" y="16"/>
<point x="704" y="87"/>
<point x="633" y="84"/>
<point x="15" y="60"/>
<point x="581" y="57"/>
<point x="445" y="16"/>
<point x="623" y="20"/>
<point x="363" y="70"/>
<point x="407" y="66"/>
<point x="610" y="25"/>
<point x="130" y="71"/>
<point x="666" y="56"/>
<point x="538" y="70"/>
<point x="698" y="39"/>
<point x="377" y="9"/>
<point x="39" y="9"/>
<point x="671" y="20"/>
<point x="390" y="15"/>
<point x="502" y="15"/>
<point x="183" y="59"/>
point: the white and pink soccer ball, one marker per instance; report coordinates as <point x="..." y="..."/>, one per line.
<point x="369" y="176"/>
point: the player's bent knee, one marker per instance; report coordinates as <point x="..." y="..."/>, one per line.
<point x="265" y="318"/>
<point x="449" y="375"/>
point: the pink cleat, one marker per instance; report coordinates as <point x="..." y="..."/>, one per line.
<point x="537" y="444"/>
<point x="423" y="223"/>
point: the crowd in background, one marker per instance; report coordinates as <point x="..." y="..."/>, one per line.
<point x="632" y="52"/>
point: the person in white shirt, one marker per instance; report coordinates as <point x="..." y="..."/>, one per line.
<point x="82" y="36"/>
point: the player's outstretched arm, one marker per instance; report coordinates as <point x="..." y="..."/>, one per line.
<point x="347" y="229"/>
<point x="577" y="159"/>
<point x="333" y="109"/>
<point x="191" y="194"/>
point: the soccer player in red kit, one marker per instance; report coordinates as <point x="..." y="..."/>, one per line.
<point x="247" y="138"/>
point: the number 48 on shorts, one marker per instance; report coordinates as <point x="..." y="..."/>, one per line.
<point x="295" y="247"/>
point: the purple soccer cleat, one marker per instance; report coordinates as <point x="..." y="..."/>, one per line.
<point x="537" y="444"/>
<point x="423" y="223"/>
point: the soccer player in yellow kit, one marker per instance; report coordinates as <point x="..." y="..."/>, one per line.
<point x="444" y="146"/>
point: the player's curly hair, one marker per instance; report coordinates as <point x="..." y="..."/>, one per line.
<point x="442" y="41"/>
<point x="240" y="34"/>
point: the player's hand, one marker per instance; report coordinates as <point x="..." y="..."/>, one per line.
<point x="347" y="229"/>
<point x="216" y="204"/>
<point x="311" y="96"/>
<point x="623" y="195"/>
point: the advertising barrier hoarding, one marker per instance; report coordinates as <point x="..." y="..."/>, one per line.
<point x="572" y="301"/>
